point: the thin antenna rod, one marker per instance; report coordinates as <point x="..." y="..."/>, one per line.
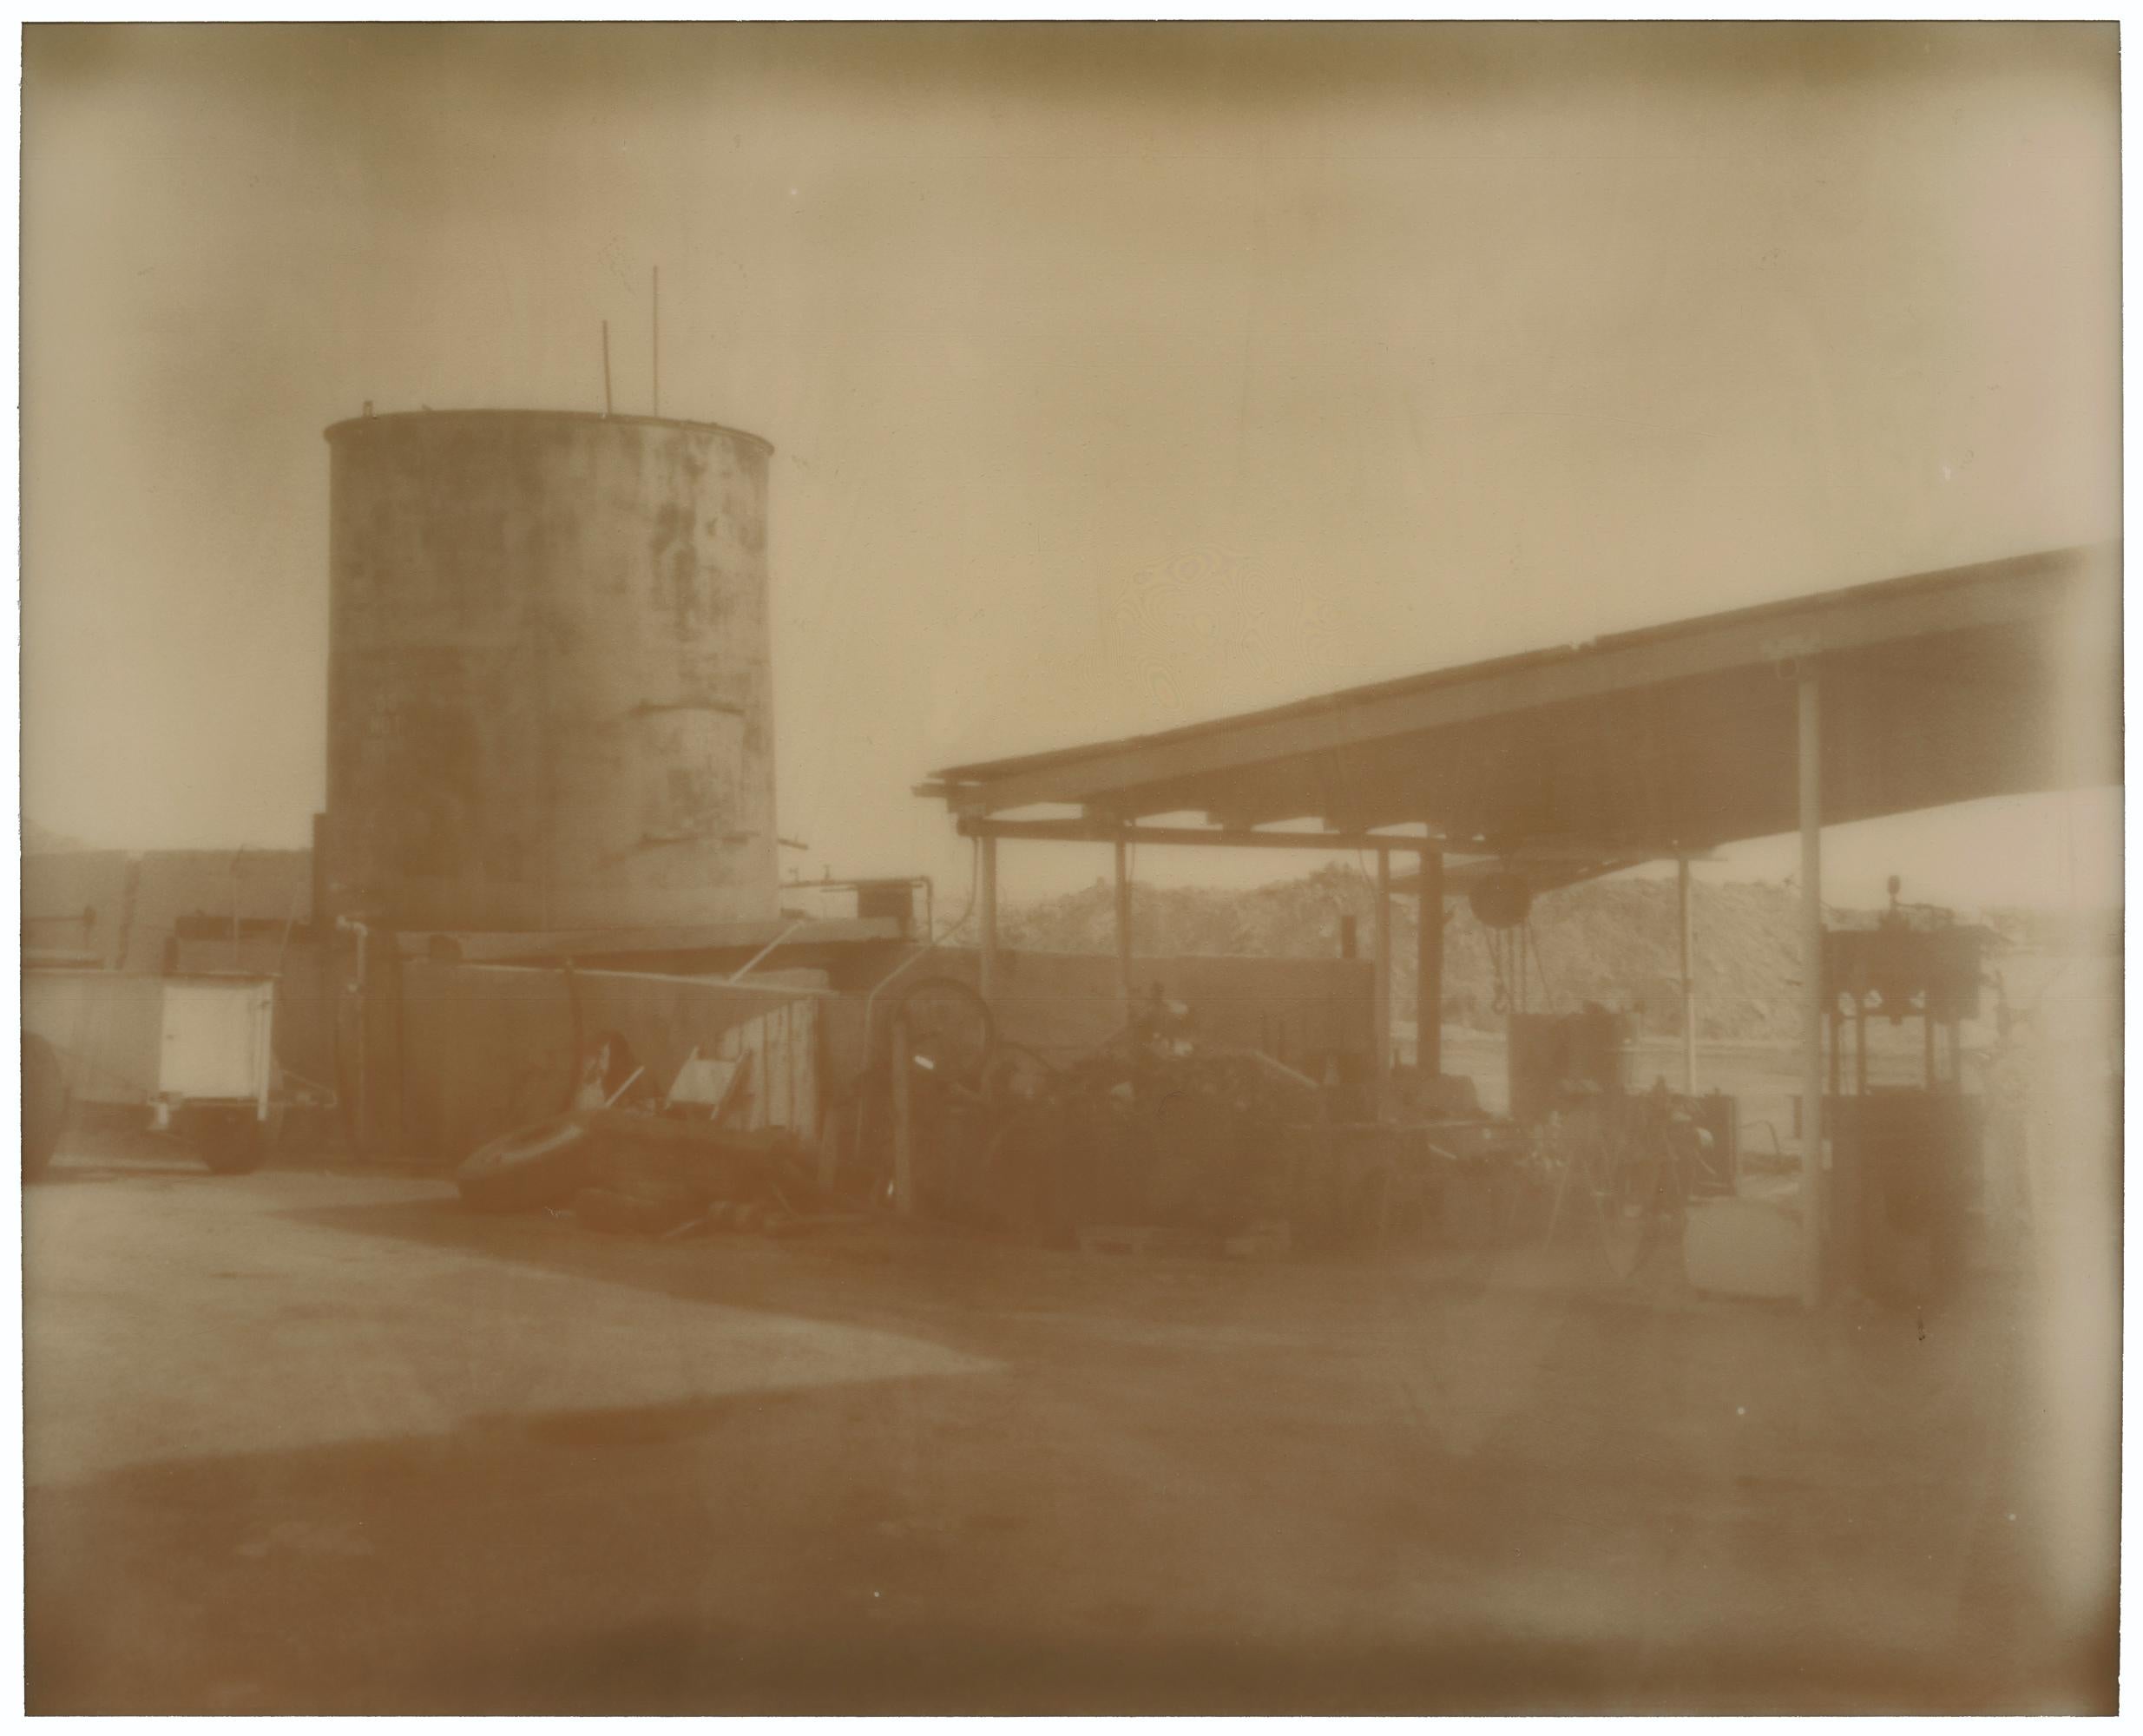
<point x="654" y="295"/>
<point x="606" y="367"/>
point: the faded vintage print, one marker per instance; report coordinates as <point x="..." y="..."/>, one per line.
<point x="1092" y="869"/>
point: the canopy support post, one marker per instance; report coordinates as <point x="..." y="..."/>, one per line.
<point x="1382" y="1022"/>
<point x="1688" y="983"/>
<point x="1123" y="931"/>
<point x="986" y="896"/>
<point x="1429" y="1000"/>
<point x="1812" y="1178"/>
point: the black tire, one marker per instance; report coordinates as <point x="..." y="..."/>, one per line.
<point x="46" y="1102"/>
<point x="229" y="1140"/>
<point x="530" y="1167"/>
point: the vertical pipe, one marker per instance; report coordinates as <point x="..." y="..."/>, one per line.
<point x="1810" y="766"/>
<point x="606" y="367"/>
<point x="986" y="894"/>
<point x="1381" y="1023"/>
<point x="1429" y="1000"/>
<point x="1688" y="983"/>
<point x="1123" y="931"/>
<point x="904" y="1121"/>
<point x="362" y="1044"/>
<point x="654" y="324"/>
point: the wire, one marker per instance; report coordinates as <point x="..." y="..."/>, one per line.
<point x="1548" y="988"/>
<point x="1501" y="1002"/>
<point x="974" y="887"/>
<point x="871" y="1000"/>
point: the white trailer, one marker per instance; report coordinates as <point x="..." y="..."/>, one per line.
<point x="195" y="1051"/>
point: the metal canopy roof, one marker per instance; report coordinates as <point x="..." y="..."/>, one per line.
<point x="1939" y="688"/>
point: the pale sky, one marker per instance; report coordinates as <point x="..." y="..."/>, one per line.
<point x="1118" y="378"/>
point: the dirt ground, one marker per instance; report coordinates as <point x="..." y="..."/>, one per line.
<point x="319" y="1441"/>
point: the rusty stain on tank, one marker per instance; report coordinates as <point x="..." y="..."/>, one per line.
<point x="549" y="689"/>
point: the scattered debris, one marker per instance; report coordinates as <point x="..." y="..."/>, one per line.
<point x="669" y="1169"/>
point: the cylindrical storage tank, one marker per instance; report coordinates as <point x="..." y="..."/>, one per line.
<point x="551" y="699"/>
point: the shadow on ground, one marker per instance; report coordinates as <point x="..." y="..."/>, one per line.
<point x="1412" y="1485"/>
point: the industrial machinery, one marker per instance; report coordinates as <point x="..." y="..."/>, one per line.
<point x="1906" y="1151"/>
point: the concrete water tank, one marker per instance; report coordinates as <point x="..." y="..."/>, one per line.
<point x="549" y="689"/>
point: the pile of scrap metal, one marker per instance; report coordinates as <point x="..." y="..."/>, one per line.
<point x="656" y="1165"/>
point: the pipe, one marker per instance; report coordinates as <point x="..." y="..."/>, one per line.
<point x="362" y="1131"/>
<point x="745" y="970"/>
<point x="871" y="1000"/>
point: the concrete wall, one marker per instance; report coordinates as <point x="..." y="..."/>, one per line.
<point x="77" y="901"/>
<point x="125" y="908"/>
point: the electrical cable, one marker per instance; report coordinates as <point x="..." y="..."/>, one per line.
<point x="1548" y="988"/>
